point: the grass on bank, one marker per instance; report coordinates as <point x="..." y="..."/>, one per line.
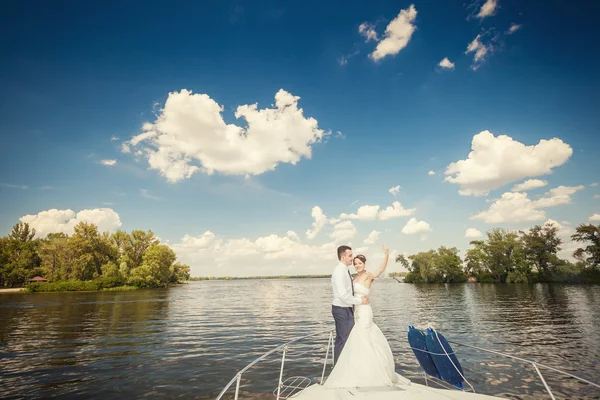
<point x="74" y="286"/>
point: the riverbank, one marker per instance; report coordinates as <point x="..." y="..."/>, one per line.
<point x="229" y="278"/>
<point x="11" y="290"/>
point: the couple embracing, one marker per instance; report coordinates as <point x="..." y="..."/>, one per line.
<point x="362" y="355"/>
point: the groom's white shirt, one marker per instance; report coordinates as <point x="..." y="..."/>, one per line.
<point x="342" y="287"/>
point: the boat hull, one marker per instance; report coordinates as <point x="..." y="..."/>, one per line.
<point x="402" y="390"/>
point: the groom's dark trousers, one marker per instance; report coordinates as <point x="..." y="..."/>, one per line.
<point x="344" y="322"/>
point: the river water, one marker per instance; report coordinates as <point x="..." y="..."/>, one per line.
<point x="189" y="341"/>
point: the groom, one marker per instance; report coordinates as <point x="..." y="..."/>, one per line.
<point x="343" y="299"/>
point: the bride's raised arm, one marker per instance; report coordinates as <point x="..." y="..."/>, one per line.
<point x="385" y="262"/>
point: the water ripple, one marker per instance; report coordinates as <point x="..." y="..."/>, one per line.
<point x="189" y="341"/>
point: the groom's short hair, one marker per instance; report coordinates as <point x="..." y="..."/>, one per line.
<point x="342" y="250"/>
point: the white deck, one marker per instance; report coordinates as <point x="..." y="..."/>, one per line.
<point x="404" y="390"/>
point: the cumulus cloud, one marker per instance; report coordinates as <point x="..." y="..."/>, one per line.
<point x="487" y="9"/>
<point x="497" y="161"/>
<point x="431" y="173"/>
<point x="395" y="190"/>
<point x="109" y="163"/>
<point x="365" y="213"/>
<point x="595" y="217"/>
<point x="513" y="28"/>
<point x="343" y="231"/>
<point x="472" y="233"/>
<point x="395" y="211"/>
<point x="368" y="31"/>
<point x="516" y="207"/>
<point x="64" y="221"/>
<point x="558" y="196"/>
<point x="511" y="207"/>
<point x="413" y="227"/>
<point x="446" y="64"/>
<point x="190" y="136"/>
<point x="372" y="238"/>
<point x="397" y="34"/>
<point x="320" y="219"/>
<point x="529" y="185"/>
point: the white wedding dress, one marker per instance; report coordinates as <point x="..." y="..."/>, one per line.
<point x="366" y="359"/>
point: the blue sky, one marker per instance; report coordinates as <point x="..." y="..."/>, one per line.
<point x="80" y="80"/>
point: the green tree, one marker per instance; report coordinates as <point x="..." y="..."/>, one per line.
<point x="540" y="247"/>
<point x="449" y="265"/>
<point x="590" y="236"/>
<point x="54" y="251"/>
<point x="135" y="249"/>
<point x="91" y="250"/>
<point x="19" y="256"/>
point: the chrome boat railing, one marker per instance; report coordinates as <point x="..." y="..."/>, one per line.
<point x="294" y="386"/>
<point x="536" y="365"/>
<point x="285" y="347"/>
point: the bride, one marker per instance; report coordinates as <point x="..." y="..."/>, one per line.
<point x="366" y="359"/>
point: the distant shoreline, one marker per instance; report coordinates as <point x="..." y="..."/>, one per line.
<point x="230" y="278"/>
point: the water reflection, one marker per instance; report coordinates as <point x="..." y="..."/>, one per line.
<point x="190" y="341"/>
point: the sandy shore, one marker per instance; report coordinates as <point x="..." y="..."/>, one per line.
<point x="11" y="290"/>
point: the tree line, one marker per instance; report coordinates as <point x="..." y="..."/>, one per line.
<point x="101" y="260"/>
<point x="511" y="257"/>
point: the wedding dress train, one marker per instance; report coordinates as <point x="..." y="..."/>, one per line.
<point x="366" y="359"/>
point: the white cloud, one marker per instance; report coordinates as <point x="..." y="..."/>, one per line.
<point x="516" y="207"/>
<point x="497" y="161"/>
<point x="597" y="196"/>
<point x="513" y="28"/>
<point x="529" y="185"/>
<point x="364" y="213"/>
<point x="11" y="186"/>
<point x="558" y="196"/>
<point x="320" y="219"/>
<point x="372" y="238"/>
<point x="473" y="233"/>
<point x="594" y="184"/>
<point x="488" y="9"/>
<point x="413" y="227"/>
<point x="395" y="190"/>
<point x="64" y="221"/>
<point x="595" y="217"/>
<point x="480" y="49"/>
<point x="431" y="173"/>
<point x="368" y="31"/>
<point x="190" y="135"/>
<point x="343" y="231"/>
<point x="511" y="208"/>
<point x="397" y="34"/>
<point x="446" y="64"/>
<point x="146" y="194"/>
<point x="209" y="255"/>
<point x="114" y="138"/>
<point x="394" y="211"/>
<point x="109" y="163"/>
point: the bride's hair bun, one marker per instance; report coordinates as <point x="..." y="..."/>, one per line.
<point x="361" y="258"/>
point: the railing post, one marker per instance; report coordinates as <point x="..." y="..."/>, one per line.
<point x="237" y="386"/>
<point x="326" y="355"/>
<point x="281" y="372"/>
<point x="543" y="380"/>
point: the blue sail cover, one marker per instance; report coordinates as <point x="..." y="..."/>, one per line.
<point x="449" y="373"/>
<point x="416" y="340"/>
